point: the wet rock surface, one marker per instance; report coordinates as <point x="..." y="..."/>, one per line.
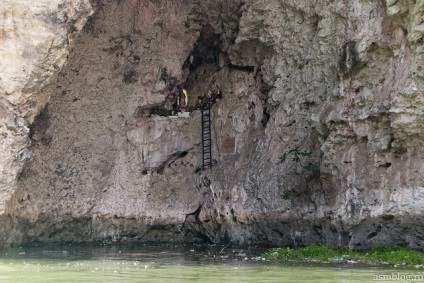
<point x="323" y="100"/>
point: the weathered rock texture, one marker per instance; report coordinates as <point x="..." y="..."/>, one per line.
<point x="324" y="99"/>
<point x="34" y="44"/>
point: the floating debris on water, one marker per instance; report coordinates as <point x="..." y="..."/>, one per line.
<point x="55" y="253"/>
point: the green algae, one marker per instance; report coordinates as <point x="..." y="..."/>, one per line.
<point x="393" y="255"/>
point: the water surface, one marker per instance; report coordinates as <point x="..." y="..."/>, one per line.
<point x="178" y="264"/>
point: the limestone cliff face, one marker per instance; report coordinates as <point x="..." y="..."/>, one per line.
<point x="34" y="44"/>
<point x="323" y="100"/>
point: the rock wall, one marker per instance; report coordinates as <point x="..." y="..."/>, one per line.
<point x="323" y="100"/>
<point x="34" y="44"/>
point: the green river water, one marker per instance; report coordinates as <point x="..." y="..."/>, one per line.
<point x="178" y="264"/>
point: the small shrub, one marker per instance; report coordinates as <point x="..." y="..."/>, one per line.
<point x="198" y="169"/>
<point x="313" y="168"/>
<point x="298" y="156"/>
<point x="286" y="195"/>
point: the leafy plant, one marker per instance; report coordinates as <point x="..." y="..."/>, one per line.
<point x="286" y="195"/>
<point x="283" y="158"/>
<point x="297" y="157"/>
<point x="313" y="168"/>
<point x="198" y="169"/>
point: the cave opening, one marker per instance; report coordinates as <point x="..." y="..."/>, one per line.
<point x="200" y="80"/>
<point x="205" y="55"/>
<point x="205" y="60"/>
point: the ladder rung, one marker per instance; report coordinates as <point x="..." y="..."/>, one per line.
<point x="206" y="136"/>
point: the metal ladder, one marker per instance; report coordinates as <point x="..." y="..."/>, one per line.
<point x="206" y="135"/>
